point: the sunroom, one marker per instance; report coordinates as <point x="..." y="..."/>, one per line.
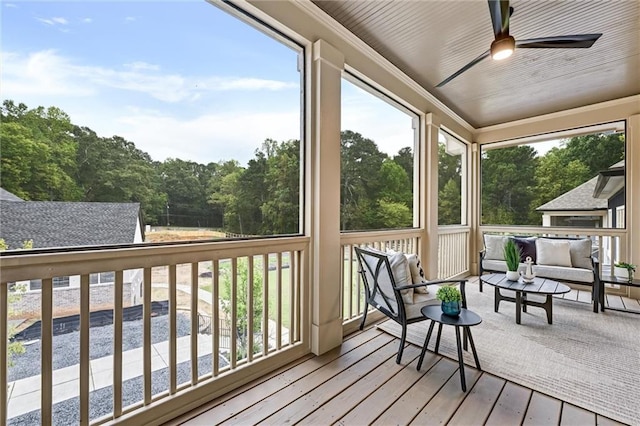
<point x="306" y="298"/>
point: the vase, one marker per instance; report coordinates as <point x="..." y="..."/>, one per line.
<point x="513" y="275"/>
<point x="451" y="309"/>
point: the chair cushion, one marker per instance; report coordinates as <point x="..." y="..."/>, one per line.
<point x="419" y="301"/>
<point x="494" y="246"/>
<point x="401" y="274"/>
<point x="553" y="252"/>
<point x="417" y="274"/>
<point x="563" y="273"/>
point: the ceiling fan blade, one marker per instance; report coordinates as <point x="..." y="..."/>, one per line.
<point x="559" y="42"/>
<point x="463" y="69"/>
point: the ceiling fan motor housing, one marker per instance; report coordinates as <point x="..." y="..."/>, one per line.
<point x="502" y="47"/>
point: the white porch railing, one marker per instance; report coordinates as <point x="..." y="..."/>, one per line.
<point x="277" y="265"/>
<point x="453" y="251"/>
<point x="609" y="244"/>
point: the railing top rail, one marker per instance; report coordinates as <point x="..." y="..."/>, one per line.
<point x="522" y="230"/>
<point x="48" y="265"/>
<point x="453" y="229"/>
<point x="379" y="235"/>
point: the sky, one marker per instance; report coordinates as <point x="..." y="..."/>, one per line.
<point x="180" y="79"/>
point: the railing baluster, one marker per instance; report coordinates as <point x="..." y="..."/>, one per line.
<point x="4" y="350"/>
<point x="294" y="331"/>
<point x="146" y="338"/>
<point x="194" y="322"/>
<point x="265" y="304"/>
<point x="215" y="317"/>
<point x="250" y="308"/>
<point x="234" y="312"/>
<point x="46" y="342"/>
<point x="279" y="300"/>
<point x="85" y="359"/>
<point x="117" y="345"/>
<point x="173" y="335"/>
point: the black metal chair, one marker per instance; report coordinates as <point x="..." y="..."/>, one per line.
<point x="383" y="294"/>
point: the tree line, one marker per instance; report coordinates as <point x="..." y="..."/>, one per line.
<point x="45" y="156"/>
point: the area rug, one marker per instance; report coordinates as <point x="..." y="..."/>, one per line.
<point x="587" y="359"/>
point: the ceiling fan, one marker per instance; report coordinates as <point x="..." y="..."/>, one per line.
<point x="504" y="44"/>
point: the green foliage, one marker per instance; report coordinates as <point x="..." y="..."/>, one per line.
<point x="628" y="266"/>
<point x="241" y="295"/>
<point x="448" y="293"/>
<point x="508" y="185"/>
<point x="512" y="255"/>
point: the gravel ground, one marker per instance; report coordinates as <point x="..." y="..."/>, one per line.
<point x="66" y="353"/>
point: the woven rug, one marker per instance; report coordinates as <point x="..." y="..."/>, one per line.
<point x="587" y="359"/>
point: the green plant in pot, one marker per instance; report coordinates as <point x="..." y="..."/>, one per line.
<point x="451" y="298"/>
<point x="512" y="259"/>
<point x="624" y="270"/>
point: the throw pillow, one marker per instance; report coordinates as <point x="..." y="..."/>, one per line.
<point x="417" y="274"/>
<point x="401" y="275"/>
<point x="494" y="246"/>
<point x="527" y="246"/>
<point x="553" y="253"/>
<point x="580" y="253"/>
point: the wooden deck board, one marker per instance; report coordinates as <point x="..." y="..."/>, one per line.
<point x="572" y="415"/>
<point x="511" y="406"/>
<point x="360" y="383"/>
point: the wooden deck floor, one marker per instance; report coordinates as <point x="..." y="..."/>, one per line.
<point x="360" y="383"/>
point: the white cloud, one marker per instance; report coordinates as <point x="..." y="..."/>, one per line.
<point x="87" y="20"/>
<point x="53" y="21"/>
<point x="49" y="73"/>
<point x="10" y="5"/>
<point x="206" y="138"/>
<point x="129" y="19"/>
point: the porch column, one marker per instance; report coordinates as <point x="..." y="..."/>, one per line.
<point x="326" y="322"/>
<point x="632" y="210"/>
<point x="429" y="216"/>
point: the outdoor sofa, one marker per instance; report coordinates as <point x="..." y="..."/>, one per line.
<point x="562" y="259"/>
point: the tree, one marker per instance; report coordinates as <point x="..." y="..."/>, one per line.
<point x="508" y="180"/>
<point x="241" y="312"/>
<point x="15" y="294"/>
<point x="449" y="187"/>
<point x="281" y="210"/>
<point x="361" y="164"/>
<point x="404" y="159"/>
<point x="596" y="151"/>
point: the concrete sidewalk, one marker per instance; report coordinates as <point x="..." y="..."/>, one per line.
<point x="24" y="394"/>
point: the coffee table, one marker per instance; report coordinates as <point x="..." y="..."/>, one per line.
<point x="543" y="286"/>
<point x="612" y="279"/>
<point x="466" y="319"/>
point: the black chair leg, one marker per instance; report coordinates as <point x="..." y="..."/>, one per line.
<point x="364" y="316"/>
<point x="402" y="340"/>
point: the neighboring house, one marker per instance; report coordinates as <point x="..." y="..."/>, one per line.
<point x="597" y="203"/>
<point x="59" y="224"/>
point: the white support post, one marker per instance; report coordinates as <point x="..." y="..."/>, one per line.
<point x="632" y="197"/>
<point x="429" y="251"/>
<point x="326" y="322"/>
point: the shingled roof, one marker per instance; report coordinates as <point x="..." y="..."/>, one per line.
<point x="8" y="196"/>
<point x="579" y="198"/>
<point x="66" y="224"/>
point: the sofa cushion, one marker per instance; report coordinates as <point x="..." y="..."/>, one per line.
<point x="553" y="252"/>
<point x="527" y="246"/>
<point x="494" y="246"/>
<point x="564" y="273"/>
<point x="580" y="251"/>
<point x="417" y="274"/>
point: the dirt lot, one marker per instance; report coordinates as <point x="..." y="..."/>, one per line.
<point x="158" y="235"/>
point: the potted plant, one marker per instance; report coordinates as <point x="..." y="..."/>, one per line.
<point x="512" y="259"/>
<point x="624" y="270"/>
<point x="450" y="297"/>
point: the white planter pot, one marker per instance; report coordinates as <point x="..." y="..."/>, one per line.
<point x="621" y="272"/>
<point x="513" y="275"/>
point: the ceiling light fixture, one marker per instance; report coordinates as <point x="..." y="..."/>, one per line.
<point x="502" y="48"/>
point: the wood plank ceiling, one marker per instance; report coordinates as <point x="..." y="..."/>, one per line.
<point x="430" y="40"/>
